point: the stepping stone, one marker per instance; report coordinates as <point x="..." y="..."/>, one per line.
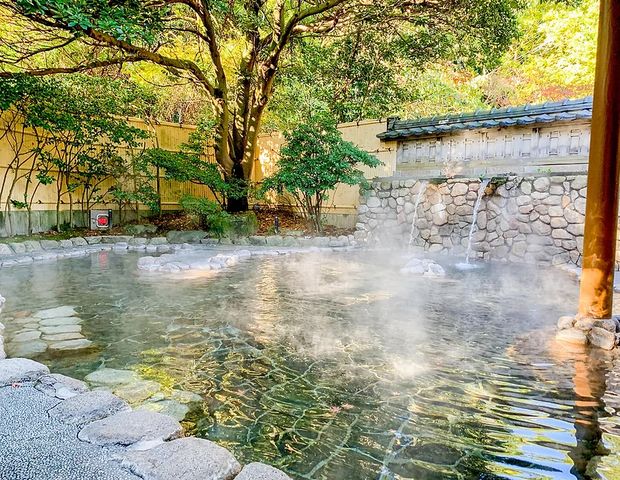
<point x="25" y="320"/>
<point x="57" y="321"/>
<point x="111" y="377"/>
<point x="137" y="429"/>
<point x="59" y="337"/>
<point x="26" y="349"/>
<point x="61" y="329"/>
<point x="26" y="336"/>
<point x="184" y="459"/>
<point x="260" y="471"/>
<point x="68" y="345"/>
<point x="88" y="407"/>
<point x="18" y="370"/>
<point x="60" y="386"/>
<point x="29" y="326"/>
<point x="167" y="407"/>
<point x="183" y="396"/>
<point x="137" y="392"/>
<point x="65" y="311"/>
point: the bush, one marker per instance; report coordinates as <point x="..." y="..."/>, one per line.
<point x="210" y="214"/>
<point x="244" y="224"/>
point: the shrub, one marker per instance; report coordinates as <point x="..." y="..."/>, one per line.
<point x="244" y="224"/>
<point x="209" y="213"/>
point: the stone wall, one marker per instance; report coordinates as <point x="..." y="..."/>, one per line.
<point x="2" y="354"/>
<point x="521" y="219"/>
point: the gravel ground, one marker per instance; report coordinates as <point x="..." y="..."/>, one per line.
<point x="36" y="447"/>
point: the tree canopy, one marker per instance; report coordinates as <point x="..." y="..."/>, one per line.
<point x="235" y="51"/>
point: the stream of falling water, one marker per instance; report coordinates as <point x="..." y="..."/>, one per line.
<point x="472" y="229"/>
<point x="421" y="192"/>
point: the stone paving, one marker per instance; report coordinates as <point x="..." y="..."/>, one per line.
<point x="52" y="428"/>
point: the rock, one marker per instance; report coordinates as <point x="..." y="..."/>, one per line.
<point x="138" y="241"/>
<point x="172" y="408"/>
<point x="373" y="202"/>
<point x="66" y="311"/>
<point x="459" y="189"/>
<point x="71" y="345"/>
<point x="137" y="392"/>
<point x="60" y="337"/>
<point x="61" y="329"/>
<point x="19" y="370"/>
<point x="27" y="349"/>
<point x="158" y="241"/>
<point x="185" y="459"/>
<point x="58" y="321"/>
<point x="183" y="396"/>
<point x="111" y="239"/>
<point x="599" y="337"/>
<point x="584" y="324"/>
<point x="606" y="324"/>
<point x="49" y="244"/>
<point x="26" y="336"/>
<point x="572" y="335"/>
<point x="138" y="429"/>
<point x="88" y="407"/>
<point x="94" y="240"/>
<point x="111" y="377"/>
<point x="78" y="242"/>
<point x="32" y="246"/>
<point x="260" y="471"/>
<point x="140" y="229"/>
<point x="189" y="236"/>
<point x="60" y="386"/>
<point x="5" y="250"/>
<point x="541" y="184"/>
<point x="565" y="322"/>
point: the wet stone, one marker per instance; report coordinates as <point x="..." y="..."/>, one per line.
<point x="70" y="345"/>
<point x="60" y="337"/>
<point x="26" y="349"/>
<point x="565" y="322"/>
<point x="111" y="376"/>
<point x="26" y="336"/>
<point x="54" y="322"/>
<point x="601" y="338"/>
<point x="572" y="335"/>
<point x="61" y="329"/>
<point x="88" y="407"/>
<point x="260" y="471"/>
<point x="172" y="408"/>
<point x="137" y="392"/>
<point x="185" y="459"/>
<point x="137" y="429"/>
<point x="65" y="311"/>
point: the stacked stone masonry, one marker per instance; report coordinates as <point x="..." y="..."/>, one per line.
<point x="521" y="219"/>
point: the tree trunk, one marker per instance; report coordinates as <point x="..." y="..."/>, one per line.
<point x="238" y="203"/>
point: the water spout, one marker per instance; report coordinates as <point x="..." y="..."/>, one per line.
<point x="418" y="198"/>
<point x="472" y="228"/>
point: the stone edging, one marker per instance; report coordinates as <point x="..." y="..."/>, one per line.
<point x="2" y="353"/>
<point x="150" y="444"/>
<point x="30" y="251"/>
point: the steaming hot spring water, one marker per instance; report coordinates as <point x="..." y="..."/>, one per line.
<point x="340" y="366"/>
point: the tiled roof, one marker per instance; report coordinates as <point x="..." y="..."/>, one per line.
<point x="565" y="110"/>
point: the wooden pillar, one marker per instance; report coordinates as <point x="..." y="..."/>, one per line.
<point x="596" y="291"/>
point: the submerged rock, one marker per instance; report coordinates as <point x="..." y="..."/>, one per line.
<point x="111" y="377"/>
<point x="61" y="329"/>
<point x="70" y="345"/>
<point x="137" y="392"/>
<point x="185" y="459"/>
<point x="26" y="349"/>
<point x="64" y="311"/>
<point x="57" y="321"/>
<point x="167" y="407"/>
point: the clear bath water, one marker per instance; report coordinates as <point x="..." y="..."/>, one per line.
<point x="335" y="366"/>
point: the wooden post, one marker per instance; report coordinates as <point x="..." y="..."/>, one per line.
<point x="596" y="290"/>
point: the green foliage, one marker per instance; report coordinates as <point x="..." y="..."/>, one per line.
<point x="313" y="161"/>
<point x="243" y="224"/>
<point x="210" y="214"/>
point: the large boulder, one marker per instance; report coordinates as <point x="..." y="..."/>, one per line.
<point x="184" y="459"/>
